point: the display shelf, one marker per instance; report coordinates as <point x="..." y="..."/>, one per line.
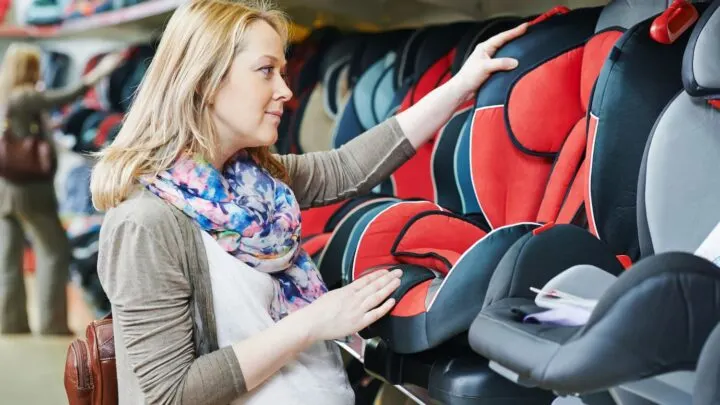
<point x="150" y="14"/>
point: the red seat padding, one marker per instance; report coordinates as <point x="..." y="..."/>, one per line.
<point x="314" y="219"/>
<point x="435" y="239"/>
<point x="413" y="178"/>
<point x="316" y="243"/>
<point x="375" y="246"/>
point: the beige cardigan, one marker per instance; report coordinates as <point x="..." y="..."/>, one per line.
<point x="145" y="255"/>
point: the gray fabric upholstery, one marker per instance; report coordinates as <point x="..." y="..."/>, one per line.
<point x="682" y="188"/>
<point x="706" y="67"/>
<point x="626" y="13"/>
<point x="707" y="383"/>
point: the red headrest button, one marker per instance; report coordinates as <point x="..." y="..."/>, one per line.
<point x="538" y="231"/>
<point x="673" y="22"/>
<point x="551" y="13"/>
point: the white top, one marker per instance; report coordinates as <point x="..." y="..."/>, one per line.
<point x="241" y="299"/>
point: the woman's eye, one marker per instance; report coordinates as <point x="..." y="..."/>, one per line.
<point x="267" y="70"/>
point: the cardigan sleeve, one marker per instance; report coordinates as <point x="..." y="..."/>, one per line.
<point x="141" y="271"/>
<point x="321" y="178"/>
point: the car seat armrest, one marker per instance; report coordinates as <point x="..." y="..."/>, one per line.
<point x="536" y="259"/>
<point x="668" y="285"/>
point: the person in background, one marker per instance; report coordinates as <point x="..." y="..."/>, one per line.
<point x="31" y="209"/>
<point x="213" y="299"/>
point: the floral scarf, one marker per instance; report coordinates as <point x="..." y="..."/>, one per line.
<point x="252" y="215"/>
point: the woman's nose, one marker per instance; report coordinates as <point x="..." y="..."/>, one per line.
<point x="283" y="92"/>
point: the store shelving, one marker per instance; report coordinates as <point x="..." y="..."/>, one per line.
<point x="150" y="14"/>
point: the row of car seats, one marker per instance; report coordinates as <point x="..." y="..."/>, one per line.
<point x="95" y="120"/>
<point x="587" y="168"/>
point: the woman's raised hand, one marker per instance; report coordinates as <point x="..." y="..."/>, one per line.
<point x="480" y="65"/>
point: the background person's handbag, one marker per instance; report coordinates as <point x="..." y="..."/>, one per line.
<point x="25" y="159"/>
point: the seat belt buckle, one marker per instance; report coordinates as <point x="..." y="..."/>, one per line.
<point x="673" y="22"/>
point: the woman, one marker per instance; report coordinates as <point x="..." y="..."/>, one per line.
<point x="32" y="207"/>
<point x="194" y="148"/>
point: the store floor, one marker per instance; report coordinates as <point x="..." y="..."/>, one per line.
<point x="32" y="367"/>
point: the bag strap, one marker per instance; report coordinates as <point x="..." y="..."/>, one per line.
<point x="198" y="274"/>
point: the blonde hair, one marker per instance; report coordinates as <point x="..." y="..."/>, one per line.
<point x="170" y="114"/>
<point x="20" y="68"/>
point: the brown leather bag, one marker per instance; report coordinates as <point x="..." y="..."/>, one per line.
<point x="90" y="374"/>
<point x="26" y="159"/>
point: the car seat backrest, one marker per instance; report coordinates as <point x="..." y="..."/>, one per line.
<point x="432" y="68"/>
<point x="319" y="112"/>
<point x="303" y="61"/>
<point x="543" y="174"/>
<point x="444" y="184"/>
<point x="306" y="69"/>
<point x="335" y="61"/>
<point x="497" y="156"/>
<point x="634" y="86"/>
<point x="679" y="188"/>
<point x="359" y="113"/>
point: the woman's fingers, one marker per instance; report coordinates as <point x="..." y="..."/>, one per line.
<point x="493" y="44"/>
<point x="500" y="64"/>
<point x="377" y="313"/>
<point x="364" y="281"/>
<point x="381" y="293"/>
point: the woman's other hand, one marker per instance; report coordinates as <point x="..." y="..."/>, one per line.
<point x="480" y="65"/>
<point x="349" y="309"/>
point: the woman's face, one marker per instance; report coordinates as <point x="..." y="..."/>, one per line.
<point x="249" y="104"/>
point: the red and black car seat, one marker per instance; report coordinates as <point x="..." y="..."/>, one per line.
<point x="445" y="188"/>
<point x="527" y="143"/>
<point x="433" y="64"/>
<point x="369" y="51"/>
<point x="336" y="252"/>
<point x="358" y="116"/>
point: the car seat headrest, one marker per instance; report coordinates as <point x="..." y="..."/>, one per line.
<point x="474" y="35"/>
<point x="626" y="13"/>
<point x="701" y="69"/>
<point x="374" y="47"/>
<point x="339" y="51"/>
<point x="436" y="46"/>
